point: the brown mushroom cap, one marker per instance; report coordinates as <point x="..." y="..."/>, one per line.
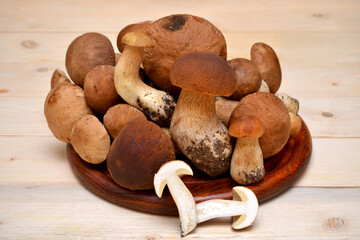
<point x="137" y="154"/>
<point x="246" y="126"/>
<point x="272" y="112"/>
<point x="90" y="139"/>
<point x="268" y="64"/>
<point x="136" y="27"/>
<point x="204" y="72"/>
<point x="174" y="36"/>
<point x="249" y="79"/>
<point x="58" y="77"/>
<point x="86" y="52"/>
<point x="99" y="88"/>
<point x="64" y="105"/>
<point x="118" y="116"/>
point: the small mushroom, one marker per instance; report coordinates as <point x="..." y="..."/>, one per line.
<point x="64" y="105"/>
<point x="169" y="174"/>
<point x="224" y="107"/>
<point x="137" y="154"/>
<point x="248" y="76"/>
<point x="272" y="112"/>
<point x="90" y="139"/>
<point x="58" y="77"/>
<point x="194" y="125"/>
<point x="135" y="27"/>
<point x="174" y="36"/>
<point x="86" y="52"/>
<point x="243" y="208"/>
<point x="157" y="105"/>
<point x="99" y="89"/>
<point x="116" y="118"/>
<point x="247" y="163"/>
<point x="268" y="64"/>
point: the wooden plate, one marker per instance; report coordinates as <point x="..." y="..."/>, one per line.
<point x="281" y="172"/>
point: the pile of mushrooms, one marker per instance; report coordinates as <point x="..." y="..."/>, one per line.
<point x="170" y="93"/>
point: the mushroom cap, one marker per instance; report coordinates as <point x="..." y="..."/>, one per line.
<point x="174" y="36"/>
<point x="248" y="76"/>
<point x="248" y="198"/>
<point x="99" y="88"/>
<point x="64" y="105"/>
<point x="90" y="139"/>
<point x="268" y="64"/>
<point x="86" y="52"/>
<point x="116" y="118"/>
<point x="137" y="39"/>
<point x="246" y="126"/>
<point x="137" y="154"/>
<point x="136" y="27"/>
<point x="58" y="77"/>
<point x="204" y="72"/>
<point x="272" y="112"/>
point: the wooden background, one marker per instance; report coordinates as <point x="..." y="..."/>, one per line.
<point x="317" y="42"/>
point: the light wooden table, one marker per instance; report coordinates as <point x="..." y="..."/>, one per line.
<point x="317" y="42"/>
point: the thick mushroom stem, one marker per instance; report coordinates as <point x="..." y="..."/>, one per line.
<point x="224" y="108"/>
<point x="199" y="134"/>
<point x="296" y="123"/>
<point x="157" y="105"/>
<point x="169" y="174"/>
<point x="243" y="208"/>
<point x="247" y="163"/>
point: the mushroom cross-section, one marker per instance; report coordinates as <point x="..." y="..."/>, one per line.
<point x="194" y="125"/>
<point x="157" y="105"/>
<point x="243" y="208"/>
<point x="169" y="174"/>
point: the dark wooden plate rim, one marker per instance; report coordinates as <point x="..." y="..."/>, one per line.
<point x="281" y="172"/>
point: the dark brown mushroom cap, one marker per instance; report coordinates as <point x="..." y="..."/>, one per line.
<point x="204" y="72"/>
<point x="174" y="36"/>
<point x="246" y="126"/>
<point x="137" y="154"/>
<point x="268" y="64"/>
<point x="136" y="27"/>
<point x="272" y="112"/>
<point x="248" y="76"/>
<point x="86" y="52"/>
<point x="99" y="88"/>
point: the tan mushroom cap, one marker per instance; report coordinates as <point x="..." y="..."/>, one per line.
<point x="99" y="88"/>
<point x="174" y="36"/>
<point x="136" y="27"/>
<point x="248" y="76"/>
<point x="86" y="52"/>
<point x="268" y="64"/>
<point x="137" y="39"/>
<point x="204" y="72"/>
<point x="246" y="126"/>
<point x="272" y="112"/>
<point x="64" y="105"/>
<point x="118" y="116"/>
<point x="90" y="139"/>
<point x="137" y="154"/>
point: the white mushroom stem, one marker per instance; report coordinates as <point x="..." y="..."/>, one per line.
<point x="157" y="105"/>
<point x="296" y="124"/>
<point x="264" y="87"/>
<point x="243" y="208"/>
<point x="247" y="163"/>
<point x="169" y="174"/>
<point x="291" y="103"/>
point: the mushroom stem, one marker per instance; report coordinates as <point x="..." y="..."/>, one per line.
<point x="292" y="104"/>
<point x="224" y="108"/>
<point x="247" y="164"/>
<point x="264" y="87"/>
<point x="296" y="123"/>
<point x="199" y="134"/>
<point x="157" y="105"/>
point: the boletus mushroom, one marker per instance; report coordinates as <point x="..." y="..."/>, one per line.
<point x="194" y="125"/>
<point x="86" y="52"/>
<point x="174" y="36"/>
<point x="137" y="154"/>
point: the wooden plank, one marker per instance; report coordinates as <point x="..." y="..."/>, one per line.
<point x="330" y="69"/>
<point x="27" y="159"/>
<point x="69" y="211"/>
<point x="229" y="15"/>
<point x="325" y="116"/>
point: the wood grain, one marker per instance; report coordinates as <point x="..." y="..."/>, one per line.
<point x="281" y="172"/>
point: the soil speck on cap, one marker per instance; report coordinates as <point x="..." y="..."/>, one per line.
<point x="175" y="23"/>
<point x="29" y="44"/>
